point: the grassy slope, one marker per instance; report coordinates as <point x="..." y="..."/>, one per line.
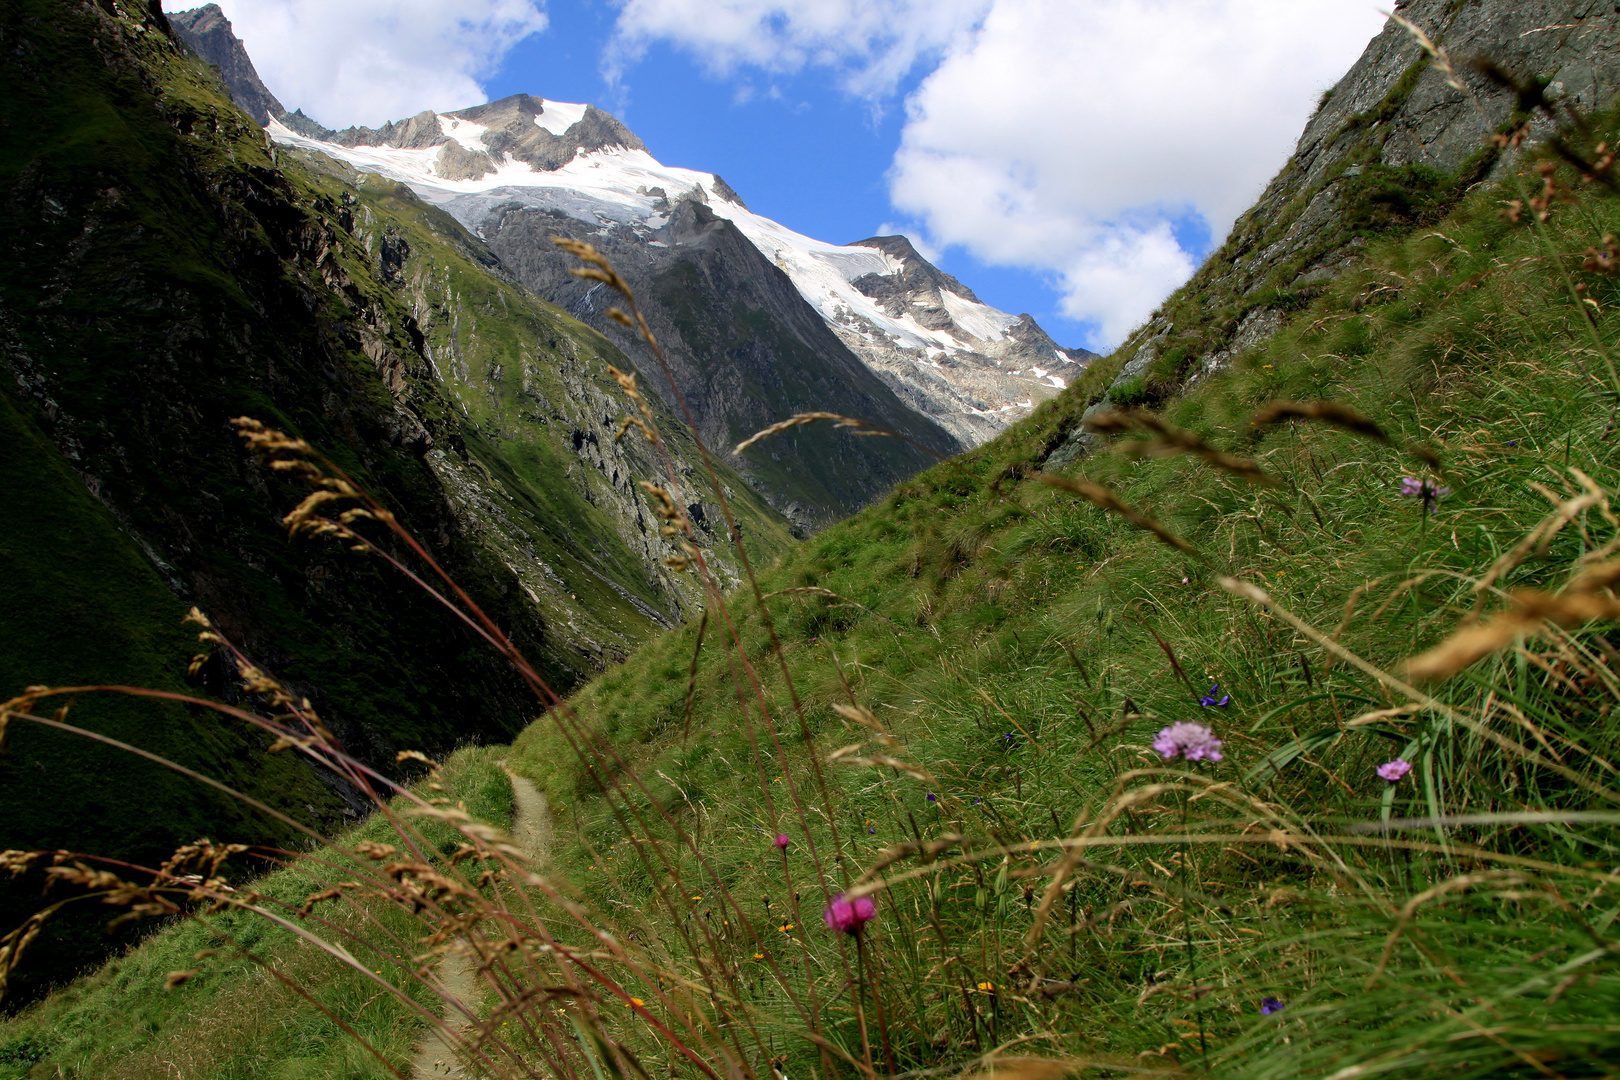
<point x="1004" y="633"/>
<point x="96" y="612"/>
<point x="236" y="1020"/>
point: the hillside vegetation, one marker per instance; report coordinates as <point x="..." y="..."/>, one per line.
<point x="953" y="708"/>
<point x="980" y="664"/>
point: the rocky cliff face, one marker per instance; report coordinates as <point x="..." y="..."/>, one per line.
<point x="743" y="346"/>
<point x="1391" y="147"/>
<point x="208" y="32"/>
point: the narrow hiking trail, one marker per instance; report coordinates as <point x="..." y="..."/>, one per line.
<point x="458" y="974"/>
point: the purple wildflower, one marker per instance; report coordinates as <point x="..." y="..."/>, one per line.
<point x="1270" y="1005"/>
<point x="1209" y="700"/>
<point x="1195" y="742"/>
<point x="849" y="916"/>
<point x="1425" y="489"/>
<point x="782" y="840"/>
<point x="932" y="797"/>
<point x="1394" y="770"/>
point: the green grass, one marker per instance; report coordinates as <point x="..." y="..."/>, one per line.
<point x="166" y="270"/>
<point x="236" y="1020"/>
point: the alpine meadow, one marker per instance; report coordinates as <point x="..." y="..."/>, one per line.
<point x="480" y="602"/>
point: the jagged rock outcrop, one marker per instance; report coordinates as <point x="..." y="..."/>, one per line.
<point x="1007" y="366"/>
<point x="1391" y="147"/>
<point x="479" y="140"/>
<point x="208" y="32"/>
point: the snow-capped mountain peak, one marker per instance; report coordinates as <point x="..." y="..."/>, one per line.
<point x="970" y="367"/>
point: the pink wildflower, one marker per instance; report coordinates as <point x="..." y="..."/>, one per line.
<point x="782" y="840"/>
<point x="1195" y="742"/>
<point x="1394" y="770"/>
<point x="849" y="915"/>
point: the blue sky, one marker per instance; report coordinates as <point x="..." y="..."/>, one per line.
<point x="1075" y="159"/>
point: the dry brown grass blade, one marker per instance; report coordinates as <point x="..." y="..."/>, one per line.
<point x="1459" y="883"/>
<point x="1597" y="576"/>
<point x="1024" y="1068"/>
<point x="1171" y="440"/>
<point x="1542" y="535"/>
<point x="798" y="419"/>
<point x="1329" y="412"/>
<point x="1103" y="497"/>
<point x="1530" y="610"/>
<point x="1424" y="42"/>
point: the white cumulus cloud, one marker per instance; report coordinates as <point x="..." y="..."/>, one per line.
<point x="1068" y="136"/>
<point x="368" y="61"/>
<point x="870" y="44"/>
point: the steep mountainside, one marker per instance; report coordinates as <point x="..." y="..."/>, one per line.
<point x="745" y="346"/>
<point x="1392" y="145"/>
<point x="167" y="269"/>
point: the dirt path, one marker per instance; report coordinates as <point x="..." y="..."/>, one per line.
<point x="531" y="830"/>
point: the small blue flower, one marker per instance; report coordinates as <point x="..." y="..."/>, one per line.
<point x="932" y="797"/>
<point x="1270" y="1005"/>
<point x="871" y="830"/>
<point x="1210" y="701"/>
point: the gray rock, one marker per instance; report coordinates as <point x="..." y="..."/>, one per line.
<point x="975" y="393"/>
<point x="456" y="162"/>
<point x="1395" y="108"/>
<point x="416" y="133"/>
<point x="723" y="189"/>
<point x="208" y="32"/>
<point x="744" y="347"/>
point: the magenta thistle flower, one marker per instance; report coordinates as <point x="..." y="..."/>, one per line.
<point x="1394" y="770"/>
<point x="1195" y="742"/>
<point x="849" y="916"/>
<point x="782" y="840"/>
<point x="1427" y="490"/>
